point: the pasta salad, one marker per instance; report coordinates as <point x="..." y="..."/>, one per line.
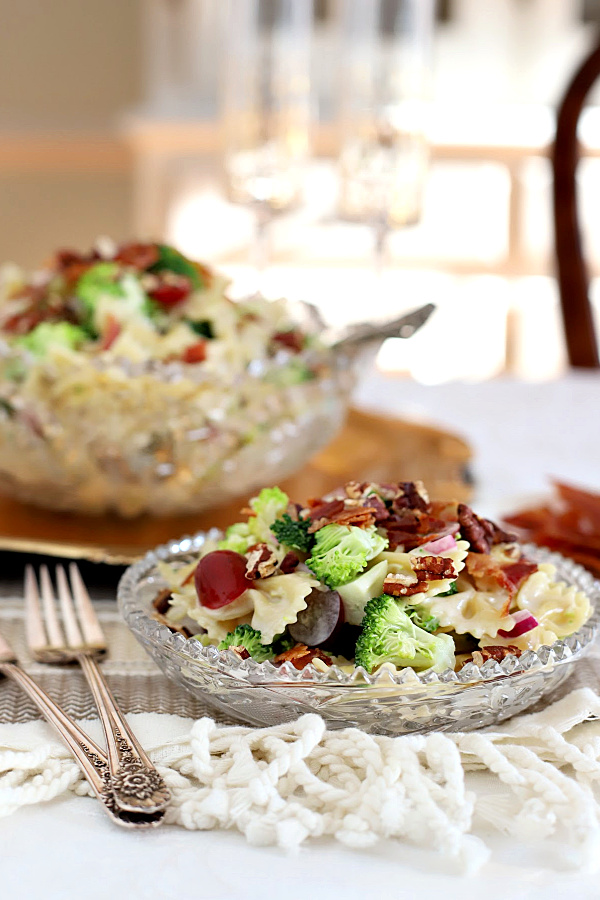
<point x="373" y="575"/>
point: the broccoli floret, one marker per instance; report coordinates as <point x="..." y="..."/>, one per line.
<point x="293" y="533"/>
<point x="267" y="507"/>
<point x="237" y="538"/>
<point x="421" y="617"/>
<point x="52" y="334"/>
<point x="389" y="635"/>
<point x="451" y="590"/>
<point x="172" y="260"/>
<point x="340" y="552"/>
<point x="99" y="281"/>
<point x="250" y="639"/>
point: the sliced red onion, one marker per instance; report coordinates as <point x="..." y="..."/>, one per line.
<point x="524" y="622"/>
<point x="440" y="545"/>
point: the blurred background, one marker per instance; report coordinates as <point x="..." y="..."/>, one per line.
<point x="114" y="120"/>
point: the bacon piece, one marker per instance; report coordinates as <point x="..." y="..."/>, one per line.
<point x="324" y="513"/>
<point x="111" y="333"/>
<point x="300" y="656"/>
<point x="195" y="353"/>
<point x="291" y="340"/>
<point x="380" y="510"/>
<point x="489" y="575"/>
<point x="412" y="528"/>
<point x="139" y="256"/>
<point x="518" y="572"/>
<point x="359" y="516"/>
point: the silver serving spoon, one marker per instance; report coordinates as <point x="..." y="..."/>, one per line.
<point x="356" y="337"/>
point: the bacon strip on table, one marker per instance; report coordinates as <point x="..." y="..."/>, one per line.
<point x="568" y="523"/>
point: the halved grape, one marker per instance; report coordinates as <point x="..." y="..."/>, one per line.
<point x="317" y="624"/>
<point x="220" y="578"/>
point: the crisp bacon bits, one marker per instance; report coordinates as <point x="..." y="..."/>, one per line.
<point x="140" y="256"/>
<point x="489" y="575"/>
<point x="300" y="656"/>
<point x="359" y="516"/>
<point x="291" y="340"/>
<point x="322" y="512"/>
<point x="261" y="562"/>
<point x="494" y="652"/>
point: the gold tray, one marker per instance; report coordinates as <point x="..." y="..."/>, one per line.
<point x="369" y="448"/>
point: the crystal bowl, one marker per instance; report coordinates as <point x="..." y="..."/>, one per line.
<point x="90" y="436"/>
<point x="382" y="703"/>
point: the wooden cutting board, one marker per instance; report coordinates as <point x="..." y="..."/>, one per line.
<point x="369" y="448"/>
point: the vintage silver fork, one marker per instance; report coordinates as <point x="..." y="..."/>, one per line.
<point x="92" y="760"/>
<point x="136" y="785"/>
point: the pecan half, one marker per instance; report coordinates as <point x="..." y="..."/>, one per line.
<point x="402" y="586"/>
<point x="433" y="568"/>
<point x="241" y="652"/>
<point x="413" y="496"/>
<point x="494" y="651"/>
<point x="482" y="534"/>
<point x="161" y="601"/>
<point x="261" y="562"/>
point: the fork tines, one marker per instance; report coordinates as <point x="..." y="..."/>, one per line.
<point x="49" y="638"/>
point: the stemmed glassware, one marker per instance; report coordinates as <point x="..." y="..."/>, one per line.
<point x="384" y="71"/>
<point x="266" y="107"/>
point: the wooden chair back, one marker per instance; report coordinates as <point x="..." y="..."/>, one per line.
<point x="573" y="279"/>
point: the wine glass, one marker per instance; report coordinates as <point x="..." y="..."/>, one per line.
<point x="266" y="107"/>
<point x="384" y="71"/>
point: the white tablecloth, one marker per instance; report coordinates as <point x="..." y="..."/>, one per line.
<point x="522" y="434"/>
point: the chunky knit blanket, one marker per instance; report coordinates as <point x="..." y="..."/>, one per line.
<point x="286" y="784"/>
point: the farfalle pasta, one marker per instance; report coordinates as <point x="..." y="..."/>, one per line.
<point x="374" y="574"/>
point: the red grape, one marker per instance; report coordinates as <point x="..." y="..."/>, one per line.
<point x="320" y="621"/>
<point x="220" y="578"/>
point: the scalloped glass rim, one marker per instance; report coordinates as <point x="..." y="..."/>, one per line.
<point x="250" y="672"/>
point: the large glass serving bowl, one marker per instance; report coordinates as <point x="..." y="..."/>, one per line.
<point x="384" y="703"/>
<point x="90" y="436"/>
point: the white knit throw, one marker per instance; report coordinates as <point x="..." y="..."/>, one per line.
<point x="285" y="784"/>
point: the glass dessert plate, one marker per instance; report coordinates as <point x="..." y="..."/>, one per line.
<point x="384" y="702"/>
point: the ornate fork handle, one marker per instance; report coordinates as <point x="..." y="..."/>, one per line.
<point x="135" y="783"/>
<point x="89" y="756"/>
